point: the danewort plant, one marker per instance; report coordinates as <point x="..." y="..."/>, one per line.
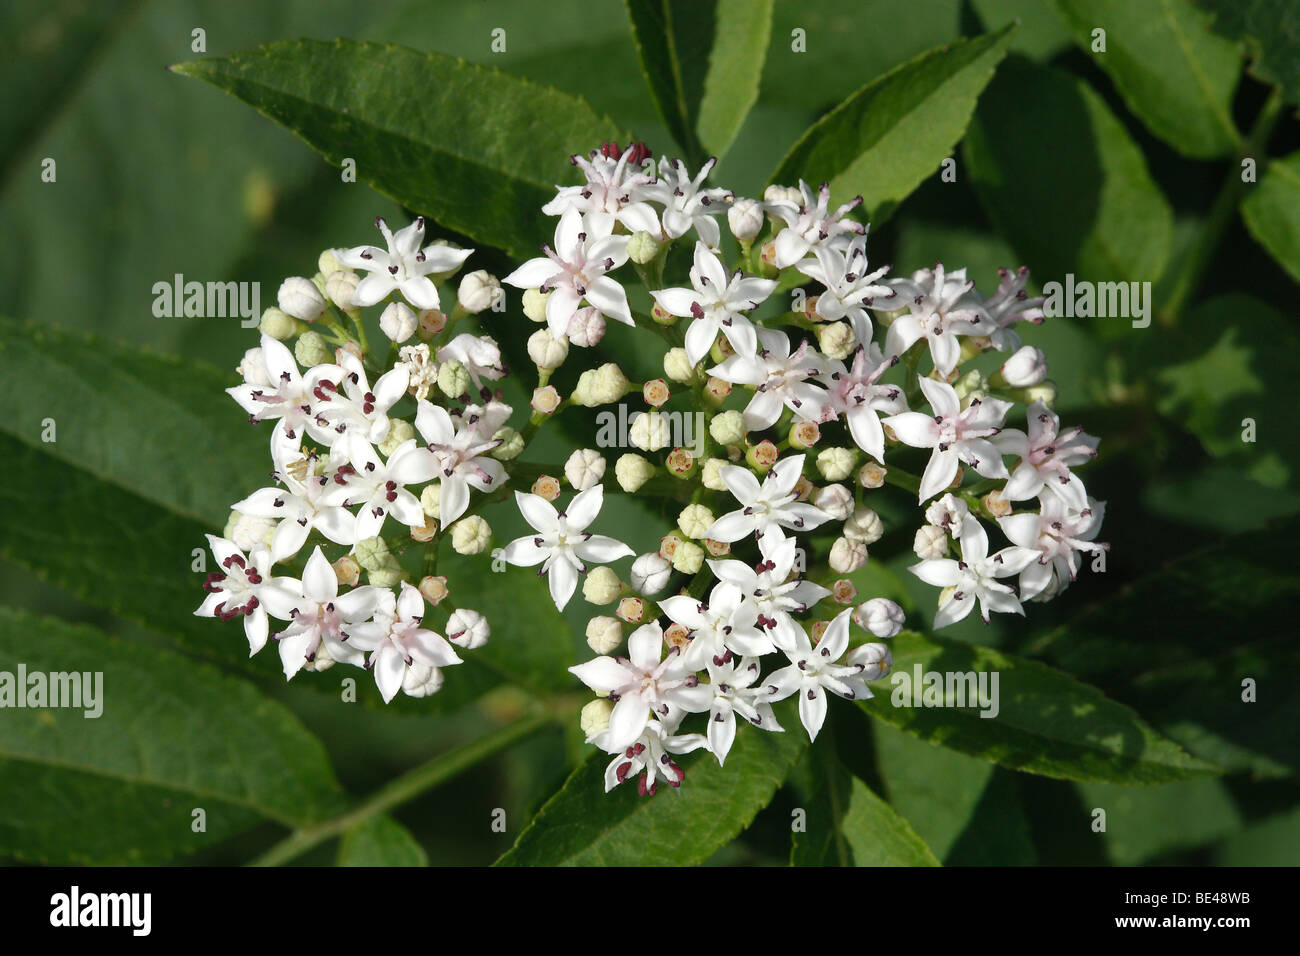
<point x="867" y="387"/>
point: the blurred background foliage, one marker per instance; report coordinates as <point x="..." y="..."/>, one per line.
<point x="160" y="175"/>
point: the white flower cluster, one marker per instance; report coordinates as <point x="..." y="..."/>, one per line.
<point x="701" y="650"/>
<point x="345" y="463"/>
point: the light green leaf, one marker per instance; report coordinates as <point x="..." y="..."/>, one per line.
<point x="475" y="149"/>
<point x="1041" y="35"/>
<point x="1271" y="31"/>
<point x="1144" y="822"/>
<point x="882" y="141"/>
<point x="173" y="736"/>
<point x="878" y="836"/>
<point x="380" y="841"/>
<point x="1038" y="129"/>
<point x="584" y="826"/>
<point x="1173" y="71"/>
<point x="1046" y="722"/>
<point x="1272" y="212"/>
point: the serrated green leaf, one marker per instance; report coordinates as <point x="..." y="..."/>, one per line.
<point x="1111" y="223"/>
<point x="176" y="735"/>
<point x="584" y="826"/>
<point x="1271" y="31"/>
<point x="882" y="141"/>
<point x="1173" y="71"/>
<point x="1272" y="212"/>
<point x="475" y="149"/>
<point x="1046" y="722"/>
<point x="380" y="841"/>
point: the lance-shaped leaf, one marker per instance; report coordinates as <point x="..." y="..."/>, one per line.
<point x="702" y="60"/>
<point x="1173" y="71"/>
<point x="477" y="150"/>
<point x="380" y="841"/>
<point x="172" y="737"/>
<point x="584" y="826"/>
<point x="1038" y="719"/>
<point x="882" y="141"/>
<point x="1272" y="212"/>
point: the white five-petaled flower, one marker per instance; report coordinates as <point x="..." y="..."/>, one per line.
<point x="403" y="267"/>
<point x="856" y="394"/>
<point x="397" y="642"/>
<point x="616" y="189"/>
<point x="244" y="586"/>
<point x="360" y="408"/>
<point x="687" y="203"/>
<point x="732" y="684"/>
<point x="811" y="223"/>
<point x="813" y="671"/>
<point x="576" y="269"/>
<point x="941" y="307"/>
<point x="652" y="753"/>
<point x="770" y="506"/>
<point x="278" y="391"/>
<point x="321" y="616"/>
<point x="975" y="576"/>
<point x="1058" y="534"/>
<point x="779" y="378"/>
<point x="642" y="684"/>
<point x="379" y="487"/>
<point x="562" y="544"/>
<point x="1046" y="455"/>
<point x="850" y="288"/>
<point x="956" y="435"/>
<point x="726" y="622"/>
<point x="716" y="303"/>
<point x="769" y="585"/>
<point x="460" y="459"/>
<point x="298" y="505"/>
<point x="1011" y="304"/>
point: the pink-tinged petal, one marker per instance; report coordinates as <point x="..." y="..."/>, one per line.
<point x="939" y="473"/>
<point x="812" y="709"/>
<point x="563" y="580"/>
<point x="522" y="552"/>
<point x="941" y="396"/>
<point x="700" y="336"/>
<point x="732" y="527"/>
<point x="600" y="549"/>
<point x="453" y="499"/>
<point x="645" y="647"/>
<point x="533" y="274"/>
<point x="1021" y="529"/>
<point x="319" y="582"/>
<point x="560" y="306"/>
<point x="721" y="734"/>
<point x="984" y="457"/>
<point x="610" y="298"/>
<point x="390" y="668"/>
<point x="1025" y="483"/>
<point x="940" y="572"/>
<point x="583" y="509"/>
<point x="485" y="474"/>
<point x="676" y="301"/>
<point x="603" y="674"/>
<point x="914" y="428"/>
<point x="945" y="349"/>
<point x="628" y="721"/>
<point x="954" y="610"/>
<point x="373" y="289"/>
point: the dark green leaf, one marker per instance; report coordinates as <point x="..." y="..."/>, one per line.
<point x="1046" y="722"/>
<point x="475" y="149"/>
<point x="1272" y="212"/>
<point x="1174" y="73"/>
<point x="886" y="138"/>
<point x="1112" y="223"/>
<point x="1271" y="32"/>
<point x="381" y="841"/>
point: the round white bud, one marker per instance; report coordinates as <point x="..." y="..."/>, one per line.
<point x="836" y="501"/>
<point x="546" y="351"/>
<point x="650" y="573"/>
<point x="300" y="298"/>
<point x="478" y="292"/>
<point x="584" y="469"/>
<point x="881" y="616"/>
<point x="847" y="556"/>
<point x="468" y="629"/>
<point x="745" y="217"/>
<point x="604" y="634"/>
<point x="398" y="321"/>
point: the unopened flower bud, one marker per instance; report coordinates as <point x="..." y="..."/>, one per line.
<point x="604" y="634"/>
<point x="711" y="476"/>
<point x="299" y="297"/>
<point x="836" y="339"/>
<point x="655" y="392"/>
<point x="511" y="444"/>
<point x="836" y="464"/>
<point x="453" y="379"/>
<point x="546" y="351"/>
<point x="422" y="680"/>
<point x="803" y="488"/>
<point x="947" y="512"/>
<point x="1026" y="367"/>
<point x="478" y="292"/>
<point x="835" y="500"/>
<point x="341" y="286"/>
<point x="650" y="431"/>
<point x="972" y="386"/>
<point x="546" y="487"/>
<point x="872" y="475"/>
<point x="688" y="557"/>
<point x="876" y="660"/>
<point x="586" y="327"/>
<point x="775" y="194"/>
<point x="818" y="630"/>
<point x="249" y="533"/>
<point x="468" y="629"/>
<point x="327" y="263"/>
<point x="430" y="498"/>
<point x="311" y="349"/>
<point x="847" y="555"/>
<point x="745" y="217"/>
<point x="399" y="431"/>
<point x="864" y="525"/>
<point x="843" y="591"/>
<point x="728" y="428"/>
<point x="609" y="385"/>
<point x="471" y="535"/>
<point x="372" y="553"/>
<point x="669" y="544"/>
<point x="1044" y="392"/>
<point x="642" y="248"/>
<point x="930" y="542"/>
<point x="650" y="573"/>
<point x="429" y="323"/>
<point x="434" y="589"/>
<point x="386" y="577"/>
<point x="677" y="366"/>
<point x="716" y="390"/>
<point x="424" y="532"/>
<point x="694" y="520"/>
<point x="545" y="400"/>
<point x="631" y="610"/>
<point x="535" y="304"/>
<point x="584" y="469"/>
<point x="632" y="471"/>
<point x="595" y="717"/>
<point x="602" y="586"/>
<point x="881" y="616"/>
<point x="278" y="324"/>
<point x="804" y="434"/>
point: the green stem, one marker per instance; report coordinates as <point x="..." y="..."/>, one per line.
<point x="1190" y="273"/>
<point x="406" y="787"/>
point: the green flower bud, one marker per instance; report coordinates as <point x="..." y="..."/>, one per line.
<point x="398" y="432"/>
<point x="512" y="443"/>
<point x="642" y="248"/>
<point x="453" y="379"/>
<point x="311" y="349"/>
<point x="279" y="325"/>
